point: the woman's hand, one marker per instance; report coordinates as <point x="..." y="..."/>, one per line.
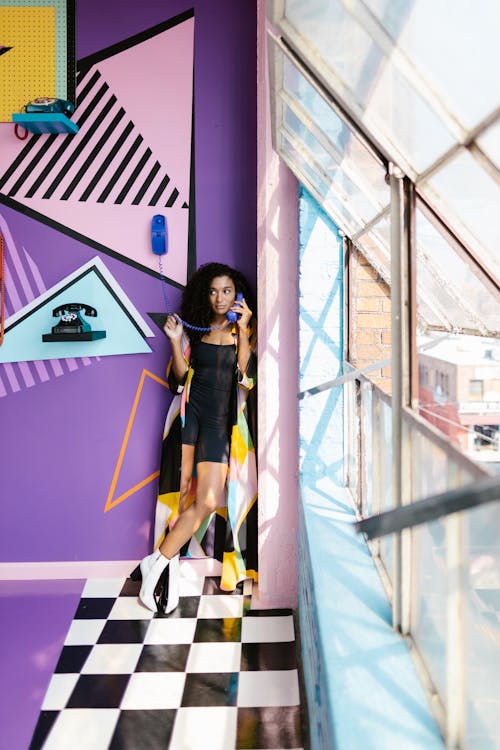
<point x="241" y="308"/>
<point x="173" y="328"/>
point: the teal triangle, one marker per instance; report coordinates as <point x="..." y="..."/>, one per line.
<point x="23" y="340"/>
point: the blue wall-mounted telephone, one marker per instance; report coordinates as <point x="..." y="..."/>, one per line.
<point x="159" y="235"/>
<point x="159" y="245"/>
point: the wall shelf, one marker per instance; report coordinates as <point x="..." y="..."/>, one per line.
<point x="46" y="122"/>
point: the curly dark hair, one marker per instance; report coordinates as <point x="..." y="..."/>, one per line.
<point x="195" y="305"/>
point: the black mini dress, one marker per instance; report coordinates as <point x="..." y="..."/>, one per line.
<point x="207" y="417"/>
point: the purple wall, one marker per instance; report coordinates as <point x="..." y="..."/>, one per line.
<point x="60" y="439"/>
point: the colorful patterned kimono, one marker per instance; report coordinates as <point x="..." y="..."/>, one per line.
<point x="230" y="533"/>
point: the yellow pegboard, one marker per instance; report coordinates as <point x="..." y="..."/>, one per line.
<point x="28" y="69"/>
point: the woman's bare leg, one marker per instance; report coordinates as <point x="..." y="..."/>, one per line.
<point x="187" y="463"/>
<point x="211" y="478"/>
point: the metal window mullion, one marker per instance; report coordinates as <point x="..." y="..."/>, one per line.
<point x="409" y="388"/>
<point x="484" y="162"/>
<point x="376" y="463"/>
<point x="397" y="233"/>
<point x="275" y="85"/>
<point x="276" y="10"/>
<point x="352" y="438"/>
<point x="365" y="387"/>
<point x="455" y="625"/>
<point x="347" y="166"/>
<point x="479" y="129"/>
<point x="386" y="210"/>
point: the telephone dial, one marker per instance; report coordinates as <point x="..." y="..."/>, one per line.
<point x="72" y="327"/>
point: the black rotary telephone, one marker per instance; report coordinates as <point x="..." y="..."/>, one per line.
<point x="72" y="327"/>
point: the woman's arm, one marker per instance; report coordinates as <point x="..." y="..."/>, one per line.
<point x="173" y="329"/>
<point x="179" y="364"/>
<point x="244" y="349"/>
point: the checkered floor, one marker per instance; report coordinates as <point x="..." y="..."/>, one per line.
<point x="213" y="675"/>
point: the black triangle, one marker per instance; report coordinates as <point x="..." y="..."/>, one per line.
<point x="159" y="319"/>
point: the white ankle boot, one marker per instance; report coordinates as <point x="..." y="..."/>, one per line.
<point x="151" y="568"/>
<point x="173" y="585"/>
<point x="147" y="563"/>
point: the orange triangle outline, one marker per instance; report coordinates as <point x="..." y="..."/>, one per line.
<point x="110" y="503"/>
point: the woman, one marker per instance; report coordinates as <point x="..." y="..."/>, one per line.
<point x="212" y="371"/>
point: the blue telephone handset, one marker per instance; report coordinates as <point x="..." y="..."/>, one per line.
<point x="159" y="235"/>
<point x="231" y="315"/>
<point x="159" y="245"/>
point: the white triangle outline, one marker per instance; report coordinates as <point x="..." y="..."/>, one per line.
<point x="96" y="262"/>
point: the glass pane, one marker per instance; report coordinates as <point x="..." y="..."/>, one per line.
<point x="342" y="186"/>
<point x="459" y="392"/>
<point x="353" y="156"/>
<point x="433" y="303"/>
<point x="376" y="249"/>
<point x="428" y="610"/>
<point x="449" y="280"/>
<point x="386" y="543"/>
<point x="490" y="143"/>
<point x="305" y="168"/>
<point x="352" y="437"/>
<point x="369" y="81"/>
<point x="367" y="448"/>
<point x="436" y="39"/>
<point x="469" y="198"/>
<point x="429" y="576"/>
<point x="330" y="200"/>
<point x="482" y="651"/>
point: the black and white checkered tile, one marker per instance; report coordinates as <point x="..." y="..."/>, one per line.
<point x="213" y="675"/>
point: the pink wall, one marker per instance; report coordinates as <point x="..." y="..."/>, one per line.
<point x="277" y="283"/>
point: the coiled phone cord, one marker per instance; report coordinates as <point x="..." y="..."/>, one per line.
<point x="184" y="323"/>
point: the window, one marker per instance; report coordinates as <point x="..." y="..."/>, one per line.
<point x="476" y="387"/>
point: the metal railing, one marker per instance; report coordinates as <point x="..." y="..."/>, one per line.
<point x="431" y="508"/>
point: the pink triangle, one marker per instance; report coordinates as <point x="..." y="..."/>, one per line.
<point x="153" y="82"/>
